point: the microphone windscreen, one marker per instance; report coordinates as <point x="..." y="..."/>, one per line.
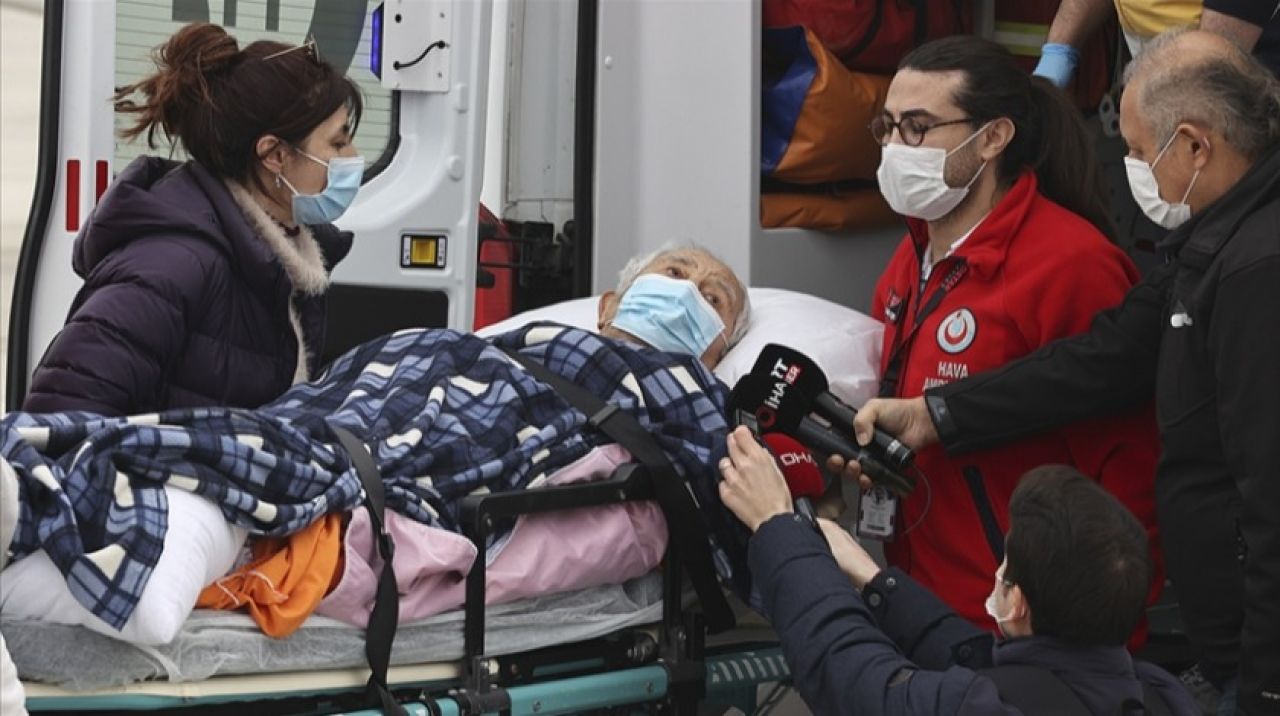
<point x="774" y="407"/>
<point x="798" y="466"/>
<point x="787" y="364"/>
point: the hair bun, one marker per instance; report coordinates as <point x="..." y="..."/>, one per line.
<point x="197" y="51"/>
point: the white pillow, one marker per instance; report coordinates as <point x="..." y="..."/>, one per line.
<point x="199" y="547"/>
<point x="843" y="342"/>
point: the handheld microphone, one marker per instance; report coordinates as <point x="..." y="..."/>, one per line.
<point x="800" y="470"/>
<point x="779" y="362"/>
<point x="779" y="409"/>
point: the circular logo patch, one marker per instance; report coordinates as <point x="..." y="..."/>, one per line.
<point x="956" y="332"/>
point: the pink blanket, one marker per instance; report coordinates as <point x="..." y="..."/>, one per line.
<point x="545" y="553"/>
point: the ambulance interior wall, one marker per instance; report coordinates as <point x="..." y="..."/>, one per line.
<point x="678" y="153"/>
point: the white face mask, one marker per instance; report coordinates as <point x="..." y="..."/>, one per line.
<point x="1146" y="191"/>
<point x="912" y="179"/>
<point x="992" y="607"/>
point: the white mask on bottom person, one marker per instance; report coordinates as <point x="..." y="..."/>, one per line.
<point x="913" y="181"/>
<point x="992" y="607"/>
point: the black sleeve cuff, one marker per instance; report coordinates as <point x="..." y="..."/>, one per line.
<point x="936" y="402"/>
<point x="1254" y="12"/>
<point x="925" y="628"/>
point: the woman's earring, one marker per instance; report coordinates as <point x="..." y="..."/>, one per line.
<point x="279" y="182"/>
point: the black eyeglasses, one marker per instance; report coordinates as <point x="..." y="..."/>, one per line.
<point x="911" y="130"/>
<point x="308" y="47"/>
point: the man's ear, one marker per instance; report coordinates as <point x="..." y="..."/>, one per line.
<point x="605" y="311"/>
<point x="1200" y="146"/>
<point x="997" y="137"/>
<point x="272" y="153"/>
<point x="1019" y="610"/>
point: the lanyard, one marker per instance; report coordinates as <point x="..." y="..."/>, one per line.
<point x="897" y="355"/>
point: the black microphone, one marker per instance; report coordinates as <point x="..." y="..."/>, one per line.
<point x="779" y="362"/>
<point x="779" y="408"/>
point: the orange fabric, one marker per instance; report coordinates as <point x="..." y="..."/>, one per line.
<point x="862" y="209"/>
<point x="831" y="141"/>
<point x="286" y="580"/>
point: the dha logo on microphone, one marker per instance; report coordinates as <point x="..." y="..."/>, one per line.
<point x="791" y="459"/>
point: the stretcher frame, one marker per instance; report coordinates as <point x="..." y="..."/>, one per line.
<point x="661" y="668"/>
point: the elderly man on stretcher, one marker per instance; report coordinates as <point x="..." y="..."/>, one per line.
<point x="444" y="415"/>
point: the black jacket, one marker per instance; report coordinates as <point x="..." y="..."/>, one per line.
<point x="897" y="649"/>
<point x="1203" y="333"/>
<point x="183" y="304"/>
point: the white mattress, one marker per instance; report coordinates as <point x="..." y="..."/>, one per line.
<point x="221" y="643"/>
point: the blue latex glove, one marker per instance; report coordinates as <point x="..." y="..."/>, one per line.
<point x="1057" y="63"/>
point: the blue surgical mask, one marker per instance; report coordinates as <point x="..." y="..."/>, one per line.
<point x="345" y="174"/>
<point x="668" y="314"/>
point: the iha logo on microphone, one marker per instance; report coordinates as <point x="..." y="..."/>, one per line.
<point x="784" y="372"/>
<point x="783" y="376"/>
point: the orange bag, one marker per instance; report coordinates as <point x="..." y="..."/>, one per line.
<point x="816" y="112"/>
<point x="872" y="35"/>
<point x="860" y="209"/>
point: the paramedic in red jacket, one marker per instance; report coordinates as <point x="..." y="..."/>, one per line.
<point x="1005" y="252"/>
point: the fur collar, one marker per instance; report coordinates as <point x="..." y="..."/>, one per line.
<point x="300" y="256"/>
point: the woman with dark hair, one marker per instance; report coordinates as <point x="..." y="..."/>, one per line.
<point x="204" y="280"/>
<point x="1006" y="251"/>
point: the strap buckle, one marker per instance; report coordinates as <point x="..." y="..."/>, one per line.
<point x="602" y="415"/>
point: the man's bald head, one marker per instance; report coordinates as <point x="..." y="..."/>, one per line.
<point x="1204" y="78"/>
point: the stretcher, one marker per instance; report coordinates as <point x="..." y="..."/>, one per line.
<point x="642" y="644"/>
<point x="653" y="644"/>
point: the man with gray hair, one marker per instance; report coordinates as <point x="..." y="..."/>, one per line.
<point x="1202" y="122"/>
<point x="679" y="298"/>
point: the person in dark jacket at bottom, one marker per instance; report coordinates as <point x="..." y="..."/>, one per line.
<point x="204" y="281"/>
<point x="864" y="640"/>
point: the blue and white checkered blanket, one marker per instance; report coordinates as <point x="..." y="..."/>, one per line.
<point x="443" y="413"/>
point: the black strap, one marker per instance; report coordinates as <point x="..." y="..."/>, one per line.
<point x="381" y="629"/>
<point x="1155" y="703"/>
<point x="677" y="502"/>
<point x="1035" y="690"/>
<point x="898" y="353"/>
<point x="986" y="514"/>
<point x="922" y="22"/>
<point x="872" y="29"/>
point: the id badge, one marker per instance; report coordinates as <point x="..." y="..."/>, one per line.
<point x="877" y="509"/>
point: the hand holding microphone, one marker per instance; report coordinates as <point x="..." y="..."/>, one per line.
<point x="753" y="488"/>
<point x="778" y="406"/>
<point x="761" y="482"/>
<point x="803" y="376"/>
<point x="800" y="471"/>
<point x="907" y="418"/>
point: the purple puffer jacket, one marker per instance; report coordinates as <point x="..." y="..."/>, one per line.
<point x="183" y="305"/>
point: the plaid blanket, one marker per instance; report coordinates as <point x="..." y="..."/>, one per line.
<point x="444" y="414"/>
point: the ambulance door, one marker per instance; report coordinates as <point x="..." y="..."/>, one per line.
<point x="422" y="65"/>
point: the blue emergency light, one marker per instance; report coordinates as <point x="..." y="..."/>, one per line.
<point x="375" y="42"/>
